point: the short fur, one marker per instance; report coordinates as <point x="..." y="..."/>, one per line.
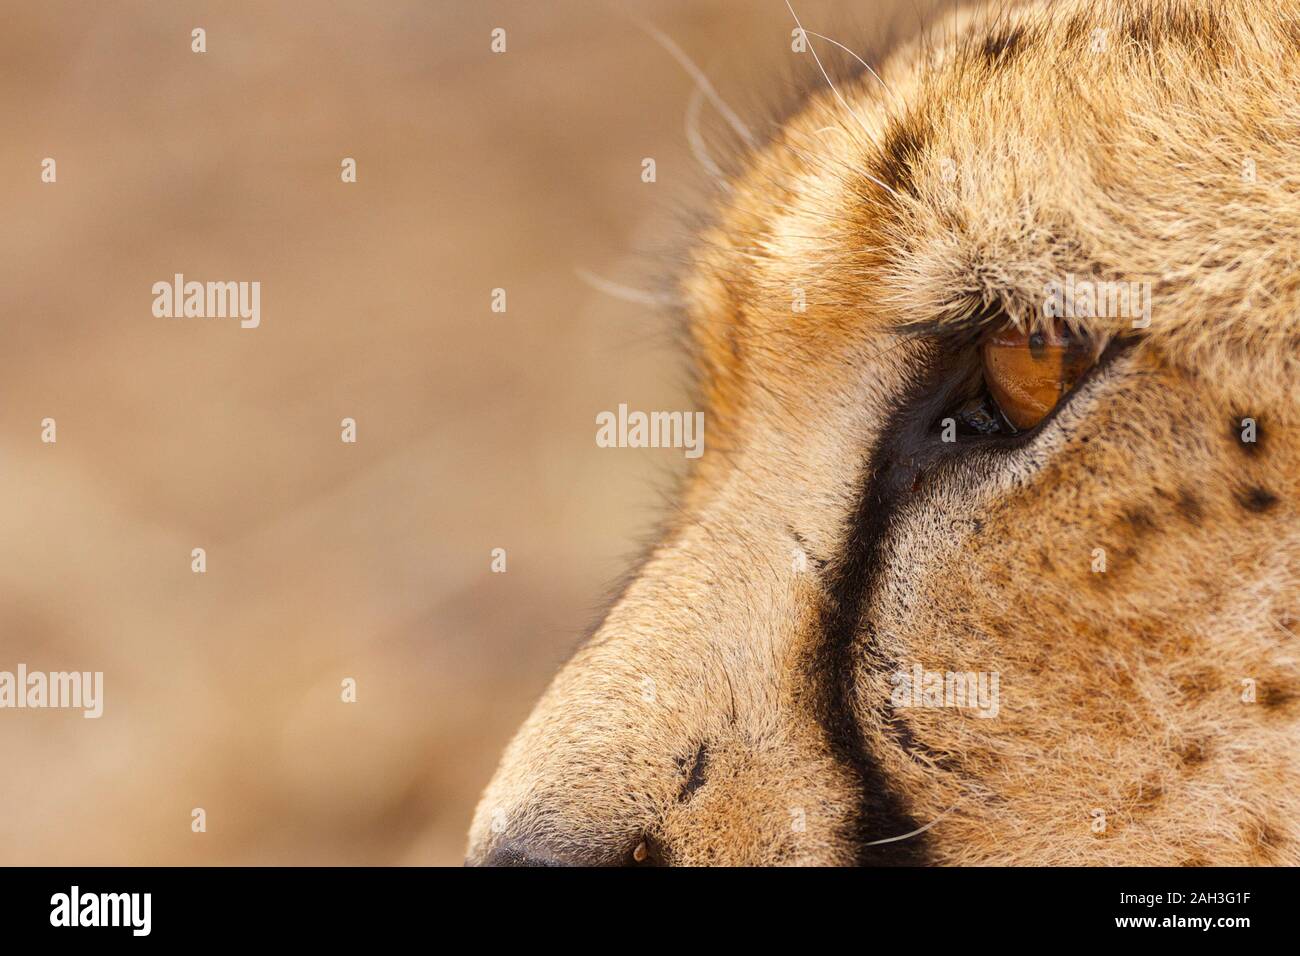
<point x="734" y="707"/>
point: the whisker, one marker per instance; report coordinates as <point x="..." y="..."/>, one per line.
<point x="625" y="293"/>
<point x="918" y="831"/>
<point x="698" y="75"/>
<point x="693" y="138"/>
<point x="865" y="64"/>
<point x="840" y="97"/>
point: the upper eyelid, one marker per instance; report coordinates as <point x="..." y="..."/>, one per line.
<point x="968" y="325"/>
<point x="966" y="336"/>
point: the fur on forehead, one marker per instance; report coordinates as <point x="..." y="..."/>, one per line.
<point x="1119" y="141"/>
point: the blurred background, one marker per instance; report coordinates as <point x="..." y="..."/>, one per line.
<point x="475" y="429"/>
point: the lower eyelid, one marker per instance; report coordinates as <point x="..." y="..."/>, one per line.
<point x="1096" y="370"/>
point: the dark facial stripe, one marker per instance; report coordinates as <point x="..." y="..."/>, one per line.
<point x="907" y="457"/>
<point x="849" y="642"/>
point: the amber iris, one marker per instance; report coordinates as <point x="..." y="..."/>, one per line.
<point x="1029" y="372"/>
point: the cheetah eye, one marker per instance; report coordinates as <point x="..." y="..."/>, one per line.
<point x="1028" y="373"/>
<point x="1022" y="376"/>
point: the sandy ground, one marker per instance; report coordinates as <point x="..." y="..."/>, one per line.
<point x="328" y="560"/>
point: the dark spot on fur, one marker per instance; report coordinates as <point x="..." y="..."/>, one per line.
<point x="1146" y="795"/>
<point x="1194" y="753"/>
<point x="1076" y="29"/>
<point x="900" y="149"/>
<point x="1198" y="685"/>
<point x="1291" y="29"/>
<point x="1275" y="696"/>
<point x="1269" y="836"/>
<point x="1195" y="861"/>
<point x="1256" y="499"/>
<point x="696" y="775"/>
<point x="1189" y="506"/>
<point x="1002" y="45"/>
<point x="1196" y="29"/>
<point x="1265" y="838"/>
<point x="1142" y="30"/>
<point x="1139" y="519"/>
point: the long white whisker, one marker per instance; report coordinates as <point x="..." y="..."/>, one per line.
<point x="838" y="96"/>
<point x="693" y="138"/>
<point x="864" y="63"/>
<point x="916" y="832"/>
<point x="701" y="80"/>
<point x="625" y="293"/>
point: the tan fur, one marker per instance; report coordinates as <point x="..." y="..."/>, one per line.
<point x="1120" y="692"/>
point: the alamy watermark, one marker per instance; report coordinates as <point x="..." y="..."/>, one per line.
<point x="975" y="690"/>
<point x="626" y="429"/>
<point x="1086" y="298"/>
<point x="70" y="690"/>
<point x="179" y="299"/>
<point x="74" y="908"/>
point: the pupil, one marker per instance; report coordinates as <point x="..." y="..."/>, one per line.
<point x="1037" y="346"/>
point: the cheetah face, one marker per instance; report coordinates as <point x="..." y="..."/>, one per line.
<point x="992" y="556"/>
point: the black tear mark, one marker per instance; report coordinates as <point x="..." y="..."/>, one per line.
<point x="696" y="776"/>
<point x="1256" y="499"/>
<point x="850" y="647"/>
<point x="849" y="644"/>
